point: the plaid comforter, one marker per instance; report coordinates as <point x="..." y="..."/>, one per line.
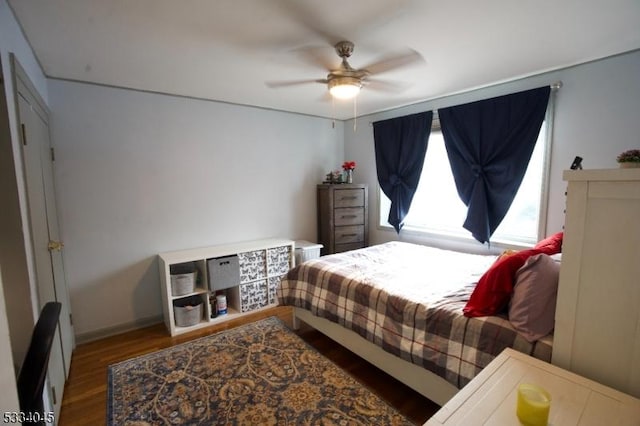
<point x="408" y="299"/>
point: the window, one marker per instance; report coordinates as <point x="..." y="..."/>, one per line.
<point x="437" y="209"/>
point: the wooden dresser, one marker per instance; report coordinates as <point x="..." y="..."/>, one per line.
<point x="343" y="217"/>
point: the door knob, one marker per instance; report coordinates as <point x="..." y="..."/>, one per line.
<point x="55" y="245"/>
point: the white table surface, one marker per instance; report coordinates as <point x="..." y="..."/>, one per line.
<point x="490" y="398"/>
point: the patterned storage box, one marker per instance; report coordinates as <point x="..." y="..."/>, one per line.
<point x="273" y="285"/>
<point x="253" y="266"/>
<point x="253" y="296"/>
<point x="278" y="260"/>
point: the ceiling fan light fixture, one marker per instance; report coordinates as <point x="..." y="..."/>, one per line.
<point x="344" y="87"/>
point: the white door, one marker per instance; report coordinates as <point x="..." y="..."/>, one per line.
<point x="50" y="278"/>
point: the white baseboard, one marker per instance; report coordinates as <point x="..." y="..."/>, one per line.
<point x="90" y="336"/>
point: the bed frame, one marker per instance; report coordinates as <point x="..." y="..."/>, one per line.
<point x="419" y="379"/>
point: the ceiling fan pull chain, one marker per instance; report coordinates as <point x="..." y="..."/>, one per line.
<point x="355" y="113"/>
<point x="333" y="113"/>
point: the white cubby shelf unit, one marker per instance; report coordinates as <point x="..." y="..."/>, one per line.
<point x="261" y="263"/>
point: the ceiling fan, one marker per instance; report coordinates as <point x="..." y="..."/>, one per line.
<point x="345" y="81"/>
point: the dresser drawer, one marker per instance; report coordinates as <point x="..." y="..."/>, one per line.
<point x="349" y="234"/>
<point x="348" y="216"/>
<point x="351" y="246"/>
<point x="348" y="198"/>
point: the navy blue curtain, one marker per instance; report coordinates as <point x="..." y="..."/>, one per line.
<point x="489" y="144"/>
<point x="400" y="145"/>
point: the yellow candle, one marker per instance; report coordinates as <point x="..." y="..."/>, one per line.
<point x="533" y="405"/>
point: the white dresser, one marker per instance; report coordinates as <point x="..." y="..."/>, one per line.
<point x="597" y="332"/>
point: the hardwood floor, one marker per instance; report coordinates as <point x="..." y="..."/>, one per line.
<point x="85" y="395"/>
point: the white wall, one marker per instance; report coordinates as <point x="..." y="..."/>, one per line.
<point x="140" y="173"/>
<point x="15" y="245"/>
<point x="596" y="117"/>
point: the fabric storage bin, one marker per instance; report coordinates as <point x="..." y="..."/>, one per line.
<point x="187" y="311"/>
<point x="183" y="278"/>
<point x="224" y="272"/>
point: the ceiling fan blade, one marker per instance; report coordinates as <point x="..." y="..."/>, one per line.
<point x="336" y="20"/>
<point x="391" y="62"/>
<point x="385" y="85"/>
<point x="309" y="18"/>
<point x="318" y="56"/>
<point x="278" y="84"/>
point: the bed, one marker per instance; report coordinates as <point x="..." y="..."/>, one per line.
<point x="399" y="306"/>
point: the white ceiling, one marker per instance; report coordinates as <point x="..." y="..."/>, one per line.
<point x="226" y="50"/>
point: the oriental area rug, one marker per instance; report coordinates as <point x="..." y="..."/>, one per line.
<point x="256" y="374"/>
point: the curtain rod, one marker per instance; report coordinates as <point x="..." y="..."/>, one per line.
<point x="554" y="88"/>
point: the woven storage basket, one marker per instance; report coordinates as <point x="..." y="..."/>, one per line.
<point x="187" y="311"/>
<point x="182" y="284"/>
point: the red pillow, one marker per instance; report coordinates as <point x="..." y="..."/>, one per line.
<point x="550" y="245"/>
<point x="493" y="291"/>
